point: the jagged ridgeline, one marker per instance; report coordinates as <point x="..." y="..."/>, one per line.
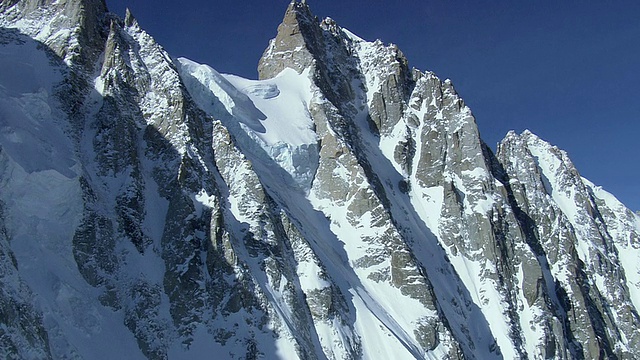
<point x="343" y="206"/>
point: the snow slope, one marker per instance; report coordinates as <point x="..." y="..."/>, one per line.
<point x="41" y="193"/>
<point x="273" y="113"/>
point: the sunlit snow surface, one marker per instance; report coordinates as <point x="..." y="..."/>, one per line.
<point x="283" y="101"/>
<point x="273" y="113"/>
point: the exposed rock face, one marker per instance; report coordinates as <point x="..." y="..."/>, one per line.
<point x="23" y="334"/>
<point x="579" y="245"/>
<point x="52" y="23"/>
<point x="342" y="207"/>
<point x="293" y="46"/>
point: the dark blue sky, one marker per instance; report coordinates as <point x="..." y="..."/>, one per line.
<point x="567" y="70"/>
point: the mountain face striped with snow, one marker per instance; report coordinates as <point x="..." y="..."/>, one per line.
<point x="343" y="206"/>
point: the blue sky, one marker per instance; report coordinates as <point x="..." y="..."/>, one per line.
<point x="567" y="70"/>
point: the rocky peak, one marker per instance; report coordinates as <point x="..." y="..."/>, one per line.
<point x="129" y="19"/>
<point x="292" y="47"/>
<point x="330" y="25"/>
<point x="81" y="12"/>
<point x="574" y="221"/>
<point x="39" y="19"/>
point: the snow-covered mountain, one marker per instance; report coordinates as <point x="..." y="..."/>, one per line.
<point x="343" y="206"/>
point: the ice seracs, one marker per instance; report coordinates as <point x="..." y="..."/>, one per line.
<point x="273" y="113"/>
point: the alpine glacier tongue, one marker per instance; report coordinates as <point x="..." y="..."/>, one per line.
<point x="343" y="206"/>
